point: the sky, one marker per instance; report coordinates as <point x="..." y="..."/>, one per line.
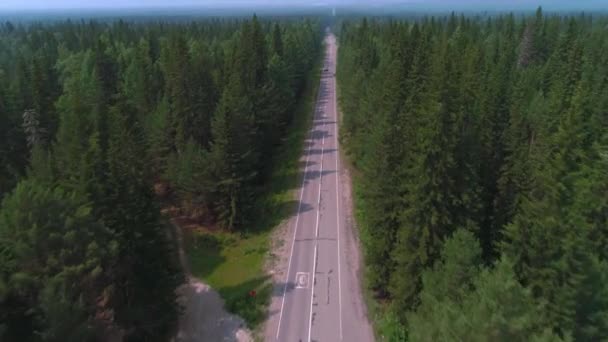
<point x="442" y="4"/>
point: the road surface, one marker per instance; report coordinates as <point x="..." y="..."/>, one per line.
<point x="320" y="298"/>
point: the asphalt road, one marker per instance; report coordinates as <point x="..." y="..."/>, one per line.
<point x="321" y="299"/>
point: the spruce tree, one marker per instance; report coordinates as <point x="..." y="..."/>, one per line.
<point x="55" y="254"/>
<point x="277" y="40"/>
<point x="233" y="156"/>
<point x="146" y="265"/>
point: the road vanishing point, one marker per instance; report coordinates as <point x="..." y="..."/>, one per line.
<point x="320" y="299"/>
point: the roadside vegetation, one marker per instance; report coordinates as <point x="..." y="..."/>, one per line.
<point x="233" y="262"/>
<point x="479" y="146"/>
<point x="102" y="125"/>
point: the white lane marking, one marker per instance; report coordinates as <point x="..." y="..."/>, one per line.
<point x="314" y="260"/>
<point x="312" y="295"/>
<point x="302" y="280"/>
<point x="293" y="241"/>
<point x="338" y="197"/>
<point x="320" y="184"/>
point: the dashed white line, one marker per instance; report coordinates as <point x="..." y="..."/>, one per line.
<point x="296" y="226"/>
<point x="338" y="198"/>
<point x="312" y="295"/>
<point x="320" y="184"/>
<point x="314" y="260"/>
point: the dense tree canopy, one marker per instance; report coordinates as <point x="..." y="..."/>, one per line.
<point x="92" y="116"/>
<point x="495" y="126"/>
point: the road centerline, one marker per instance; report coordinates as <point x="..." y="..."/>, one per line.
<point x="333" y="314"/>
<point x="336" y="119"/>
<point x="295" y="231"/>
<point x="312" y="295"/>
<point x="320" y="185"/>
<point x="314" y="260"/>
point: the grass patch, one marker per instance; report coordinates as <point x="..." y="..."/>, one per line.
<point x="233" y="263"/>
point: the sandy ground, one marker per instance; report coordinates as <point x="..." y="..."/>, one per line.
<point x="276" y="267"/>
<point x="204" y="318"/>
<point x="352" y="247"/>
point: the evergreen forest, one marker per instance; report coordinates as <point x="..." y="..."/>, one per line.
<point x="99" y="117"/>
<point x="480" y="148"/>
<point x="478" y="145"/>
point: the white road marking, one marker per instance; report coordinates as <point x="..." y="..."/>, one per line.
<point x="317" y="228"/>
<point x="312" y="295"/>
<point x="293" y="241"/>
<point x="314" y="260"/>
<point x="320" y="184"/>
<point x="302" y="280"/>
<point x="338" y="198"/>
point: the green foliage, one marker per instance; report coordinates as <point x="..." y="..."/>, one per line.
<point x="94" y="115"/>
<point x="158" y="136"/>
<point x="452" y="276"/>
<point x="233" y="156"/>
<point x="66" y="317"/>
<point x="392" y="329"/>
<point x="13" y="146"/>
<point x="232" y="262"/>
<point x="188" y="172"/>
<point x="491" y="125"/>
<point x="145" y="252"/>
<point x="55" y="262"/>
<point x="232" y="265"/>
<point x="461" y="300"/>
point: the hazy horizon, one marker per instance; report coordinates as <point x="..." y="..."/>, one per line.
<point x="386" y="4"/>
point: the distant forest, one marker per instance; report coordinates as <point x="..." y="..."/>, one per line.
<point x="481" y="151"/>
<point x="94" y="117"/>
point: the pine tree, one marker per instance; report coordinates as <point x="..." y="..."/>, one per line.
<point x="205" y="95"/>
<point x="79" y="150"/>
<point x="45" y="90"/>
<point x="494" y="119"/>
<point x="159" y="137"/>
<point x="54" y="253"/>
<point x="13" y="145"/>
<point x="278" y="101"/>
<point x="497" y="128"/>
<point x="145" y="255"/>
<point x="233" y="157"/>
<point x="462" y="300"/>
<point x="277" y="40"/>
<point x="430" y="188"/>
<point x="176" y="67"/>
<point x="550" y="241"/>
<point x="251" y="66"/>
<point x="36" y="134"/>
<point x="91" y="114"/>
<point x="383" y="199"/>
<point x="138" y="85"/>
